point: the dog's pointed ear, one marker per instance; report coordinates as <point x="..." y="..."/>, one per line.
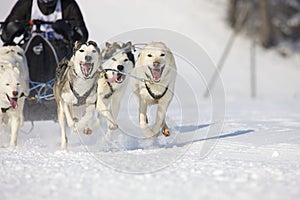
<point x="76" y="43"/>
<point x="128" y="45"/>
<point x="77" y="46"/>
<point x="107" y="44"/>
<point x="91" y="42"/>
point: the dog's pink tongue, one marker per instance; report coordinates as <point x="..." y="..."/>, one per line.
<point x="86" y="68"/>
<point x="113" y="79"/>
<point x="156" y="74"/>
<point x="13" y="102"/>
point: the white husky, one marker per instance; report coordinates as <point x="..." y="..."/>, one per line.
<point x="13" y="89"/>
<point x="75" y="90"/>
<point x="112" y="82"/>
<point x="155" y="64"/>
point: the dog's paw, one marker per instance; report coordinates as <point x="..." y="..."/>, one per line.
<point x="13" y="145"/>
<point x="166" y="132"/>
<point x="74" y="128"/>
<point x="63" y="146"/>
<point x="87" y="131"/>
<point x="75" y="120"/>
<point x="113" y="126"/>
<point x="153" y="136"/>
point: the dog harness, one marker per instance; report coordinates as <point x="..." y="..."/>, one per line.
<point x="110" y="87"/>
<point x="81" y="100"/>
<point x="155" y="96"/>
<point x="3" y="110"/>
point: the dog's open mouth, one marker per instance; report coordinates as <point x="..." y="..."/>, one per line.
<point x="13" y="101"/>
<point x="117" y="77"/>
<point x="86" y="68"/>
<point x="120" y="78"/>
<point x="156" y="73"/>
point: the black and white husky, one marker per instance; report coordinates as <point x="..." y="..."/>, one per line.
<point x="156" y="64"/>
<point x="118" y="60"/>
<point x="75" y="90"/>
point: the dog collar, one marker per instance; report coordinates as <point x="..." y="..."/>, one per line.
<point x="155" y="96"/>
<point x="81" y="100"/>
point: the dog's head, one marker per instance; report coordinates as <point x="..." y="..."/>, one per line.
<point x="12" y="51"/>
<point x="118" y="57"/>
<point x="10" y="85"/>
<point x="156" y="60"/>
<point x="14" y="55"/>
<point x="86" y="59"/>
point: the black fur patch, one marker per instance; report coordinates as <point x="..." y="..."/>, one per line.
<point x="78" y="45"/>
<point x="131" y="57"/>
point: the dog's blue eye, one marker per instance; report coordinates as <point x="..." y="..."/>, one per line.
<point x="126" y="60"/>
<point x="149" y="55"/>
<point x="162" y="54"/>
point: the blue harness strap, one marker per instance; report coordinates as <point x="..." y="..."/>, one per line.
<point x="43" y="91"/>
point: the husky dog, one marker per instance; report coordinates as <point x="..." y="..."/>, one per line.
<point x="75" y="89"/>
<point x="155" y="64"/>
<point x="111" y="83"/>
<point x="11" y="101"/>
<point x="13" y="89"/>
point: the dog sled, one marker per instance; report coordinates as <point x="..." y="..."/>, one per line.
<point x="42" y="62"/>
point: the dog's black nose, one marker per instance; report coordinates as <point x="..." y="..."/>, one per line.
<point x="15" y="93"/>
<point x="88" y="58"/>
<point x="120" y="67"/>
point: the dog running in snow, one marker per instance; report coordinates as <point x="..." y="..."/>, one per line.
<point x="75" y="89"/>
<point x="13" y="89"/>
<point x="112" y="83"/>
<point x="156" y="64"/>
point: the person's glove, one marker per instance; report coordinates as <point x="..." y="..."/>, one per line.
<point x="63" y="28"/>
<point x="11" y="30"/>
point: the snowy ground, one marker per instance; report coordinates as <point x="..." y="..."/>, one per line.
<point x="256" y="155"/>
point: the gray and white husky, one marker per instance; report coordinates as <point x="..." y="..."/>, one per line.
<point x="75" y="90"/>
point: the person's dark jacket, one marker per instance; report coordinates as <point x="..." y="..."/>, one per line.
<point x="70" y="12"/>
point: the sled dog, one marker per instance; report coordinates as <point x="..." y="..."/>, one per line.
<point x="156" y="65"/>
<point x="13" y="89"/>
<point x="111" y="83"/>
<point x="75" y="89"/>
<point x="15" y="55"/>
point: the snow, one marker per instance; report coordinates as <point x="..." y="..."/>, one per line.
<point x="253" y="152"/>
